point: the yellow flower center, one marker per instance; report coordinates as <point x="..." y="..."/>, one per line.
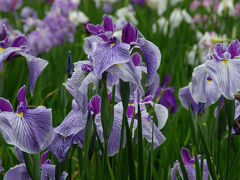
<point x="20" y="114"/>
<point x="225" y="62"/>
<point x="208" y="81"/>
<point x="112" y="44"/>
<point x="117" y="65"/>
<point x="1" y="49"/>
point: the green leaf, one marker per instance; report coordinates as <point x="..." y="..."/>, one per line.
<point x="209" y="161"/>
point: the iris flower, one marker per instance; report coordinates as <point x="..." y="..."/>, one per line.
<point x="28" y="129"/>
<point x="189" y="163"/>
<point x="18" y="48"/>
<point x="47" y="170"/>
<point x="224" y="67"/>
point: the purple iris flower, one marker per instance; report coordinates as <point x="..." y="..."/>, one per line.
<point x="77" y="85"/>
<point x="204" y="89"/>
<point x="10" y="5"/>
<point x="47" y="170"/>
<point x="73" y="123"/>
<point x="189" y="163"/>
<point x="65" y="6"/>
<point x="186" y="99"/>
<point x="18" y="48"/>
<point x="28" y="12"/>
<point x="164" y="95"/>
<point x="40" y="40"/>
<point x="147" y="123"/>
<point x="61" y="27"/>
<point x="224" y="67"/>
<point x="107" y="52"/>
<point x="29" y="129"/>
<point x="99" y="29"/>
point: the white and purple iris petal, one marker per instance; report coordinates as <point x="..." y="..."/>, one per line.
<point x="156" y="136"/>
<point x="186" y="99"/>
<point x="108" y="54"/>
<point x="29" y="129"/>
<point x="225" y="68"/>
<point x="115" y="136"/>
<point x="152" y="56"/>
<point x="47" y="171"/>
<point x="147" y="123"/>
<point x="189" y="163"/>
<point x="204" y="89"/>
<point x="60" y="146"/>
<point x="77" y="85"/>
<point x="73" y="123"/>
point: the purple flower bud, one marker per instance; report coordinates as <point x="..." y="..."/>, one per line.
<point x="129" y="33"/>
<point x="69" y="65"/>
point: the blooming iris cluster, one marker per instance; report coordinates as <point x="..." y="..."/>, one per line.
<point x="10" y="5"/>
<point x="215" y="77"/>
<point x="113" y="59"/>
<point x="57" y="26"/>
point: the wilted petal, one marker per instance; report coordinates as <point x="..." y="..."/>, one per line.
<point x="31" y="131"/>
<point x="19" y="171"/>
<point x="109" y="54"/>
<point x="35" y="67"/>
<point x="5" y="105"/>
<point x="152" y="58"/>
<point x="60" y="146"/>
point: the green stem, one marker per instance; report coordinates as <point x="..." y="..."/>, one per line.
<point x="36" y="167"/>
